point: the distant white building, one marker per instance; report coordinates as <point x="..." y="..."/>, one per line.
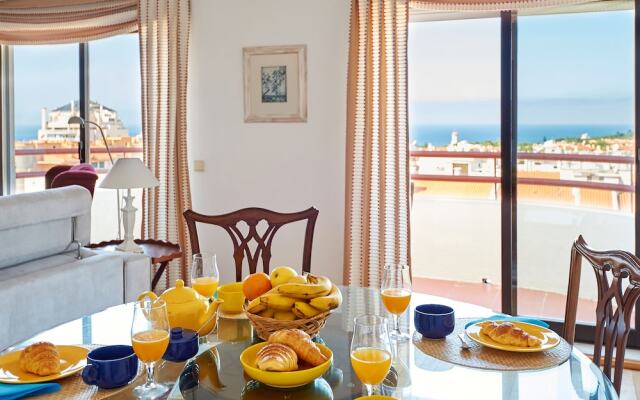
<point x="54" y="126"/>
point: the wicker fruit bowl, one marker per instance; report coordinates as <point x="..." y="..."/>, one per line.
<point x="264" y="326"/>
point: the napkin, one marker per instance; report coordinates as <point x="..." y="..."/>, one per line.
<point x="21" y="390"/>
<point x="504" y="317"/>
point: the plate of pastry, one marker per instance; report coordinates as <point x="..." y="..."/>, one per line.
<point x="41" y="362"/>
<point x="288" y="359"/>
<point x="520" y="337"/>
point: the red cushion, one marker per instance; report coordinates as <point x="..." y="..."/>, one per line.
<point x="83" y="167"/>
<point x="86" y="179"/>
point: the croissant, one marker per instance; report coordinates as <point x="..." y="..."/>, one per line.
<point x="277" y="357"/>
<point x="507" y="333"/>
<point x="301" y="343"/>
<point x="41" y="359"/>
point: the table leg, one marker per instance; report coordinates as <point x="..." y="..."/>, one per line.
<point x="158" y="275"/>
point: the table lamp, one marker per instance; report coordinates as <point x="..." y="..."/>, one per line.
<point x="129" y="173"/>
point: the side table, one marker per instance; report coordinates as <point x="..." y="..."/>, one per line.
<point x="160" y="253"/>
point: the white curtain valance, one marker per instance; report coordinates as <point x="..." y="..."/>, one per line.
<point x="65" y="21"/>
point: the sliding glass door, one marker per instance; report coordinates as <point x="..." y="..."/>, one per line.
<point x="575" y="151"/>
<point x="455" y="151"/>
<point x="568" y="151"/>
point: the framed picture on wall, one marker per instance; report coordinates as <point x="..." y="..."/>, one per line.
<point x="275" y="84"/>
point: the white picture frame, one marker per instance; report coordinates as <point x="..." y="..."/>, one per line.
<point x="275" y="83"/>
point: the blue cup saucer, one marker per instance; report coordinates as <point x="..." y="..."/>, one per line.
<point x="434" y="321"/>
<point x="110" y="367"/>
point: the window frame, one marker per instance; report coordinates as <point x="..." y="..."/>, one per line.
<point x="508" y="156"/>
<point x="7" y="124"/>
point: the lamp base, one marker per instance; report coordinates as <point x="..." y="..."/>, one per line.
<point x="129" y="246"/>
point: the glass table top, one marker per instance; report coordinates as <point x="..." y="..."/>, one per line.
<point x="216" y="373"/>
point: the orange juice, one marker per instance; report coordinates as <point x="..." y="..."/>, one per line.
<point x="206" y="286"/>
<point x="396" y="300"/>
<point x="150" y="345"/>
<point x="371" y="365"/>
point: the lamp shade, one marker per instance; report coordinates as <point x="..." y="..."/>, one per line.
<point x="129" y="173"/>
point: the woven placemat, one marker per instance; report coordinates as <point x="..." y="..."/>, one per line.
<point x="479" y="356"/>
<point x="73" y="387"/>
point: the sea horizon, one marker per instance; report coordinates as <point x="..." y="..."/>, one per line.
<point x="440" y="134"/>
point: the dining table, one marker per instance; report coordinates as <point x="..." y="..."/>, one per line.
<point x="216" y="372"/>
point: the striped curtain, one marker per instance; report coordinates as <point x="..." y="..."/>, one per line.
<point x="164" y="49"/>
<point x="377" y="203"/>
<point x="65" y="21"/>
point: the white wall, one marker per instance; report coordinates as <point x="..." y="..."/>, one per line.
<point x="283" y="167"/>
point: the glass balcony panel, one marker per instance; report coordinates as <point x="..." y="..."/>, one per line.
<point x="455" y="135"/>
<point x="45" y="89"/>
<point x="576" y="149"/>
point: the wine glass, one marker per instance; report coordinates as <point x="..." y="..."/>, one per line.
<point x="150" y="338"/>
<point x="205" y="274"/>
<point x="395" y="292"/>
<point x="370" y="350"/>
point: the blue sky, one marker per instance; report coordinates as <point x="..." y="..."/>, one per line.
<point x="47" y="76"/>
<point x="572" y="69"/>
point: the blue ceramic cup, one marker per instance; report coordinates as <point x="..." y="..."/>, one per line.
<point x="434" y="321"/>
<point x="110" y="366"/>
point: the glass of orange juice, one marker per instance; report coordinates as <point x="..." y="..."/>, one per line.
<point x="150" y="338"/>
<point x="395" y="292"/>
<point x="370" y="350"/>
<point x="204" y="274"/>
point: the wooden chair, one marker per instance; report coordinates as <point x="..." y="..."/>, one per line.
<point x="253" y="216"/>
<point x="613" y="311"/>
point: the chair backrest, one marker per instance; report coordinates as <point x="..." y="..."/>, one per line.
<point x="252" y="217"/>
<point x="64" y="175"/>
<point x="614" y="270"/>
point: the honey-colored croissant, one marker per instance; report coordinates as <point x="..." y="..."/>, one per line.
<point x="277" y="357"/>
<point x="41" y="359"/>
<point x="507" y="333"/>
<point x="301" y="343"/>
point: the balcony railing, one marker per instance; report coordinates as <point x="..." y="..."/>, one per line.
<point x="68" y="151"/>
<point x="495" y="179"/>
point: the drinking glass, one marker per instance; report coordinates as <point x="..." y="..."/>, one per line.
<point x="370" y="350"/>
<point x="204" y="274"/>
<point x="150" y="338"/>
<point x="395" y="292"/>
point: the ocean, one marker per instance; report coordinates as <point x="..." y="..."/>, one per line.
<point x="30" y="132"/>
<point x="440" y="135"/>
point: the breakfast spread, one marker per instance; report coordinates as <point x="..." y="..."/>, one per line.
<point x="40" y="358"/>
<point x="507" y="333"/>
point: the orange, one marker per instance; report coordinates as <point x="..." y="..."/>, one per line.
<point x="255" y="285"/>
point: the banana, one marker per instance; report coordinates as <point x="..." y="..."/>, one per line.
<point x="298" y="279"/>
<point x="277" y="302"/>
<point x="304" y="310"/>
<point x="328" y="302"/>
<point x="268" y="313"/>
<point x="284" y="315"/>
<point x="317" y="286"/>
<point x="255" y="306"/>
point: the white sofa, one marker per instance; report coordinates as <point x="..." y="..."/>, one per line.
<point x="42" y="282"/>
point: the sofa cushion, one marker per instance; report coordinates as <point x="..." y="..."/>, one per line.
<point x="40" y="224"/>
<point x="33" y="300"/>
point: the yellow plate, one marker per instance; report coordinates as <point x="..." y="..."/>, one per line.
<point x="283" y="379"/>
<point x="72" y="360"/>
<point x="549" y="338"/>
